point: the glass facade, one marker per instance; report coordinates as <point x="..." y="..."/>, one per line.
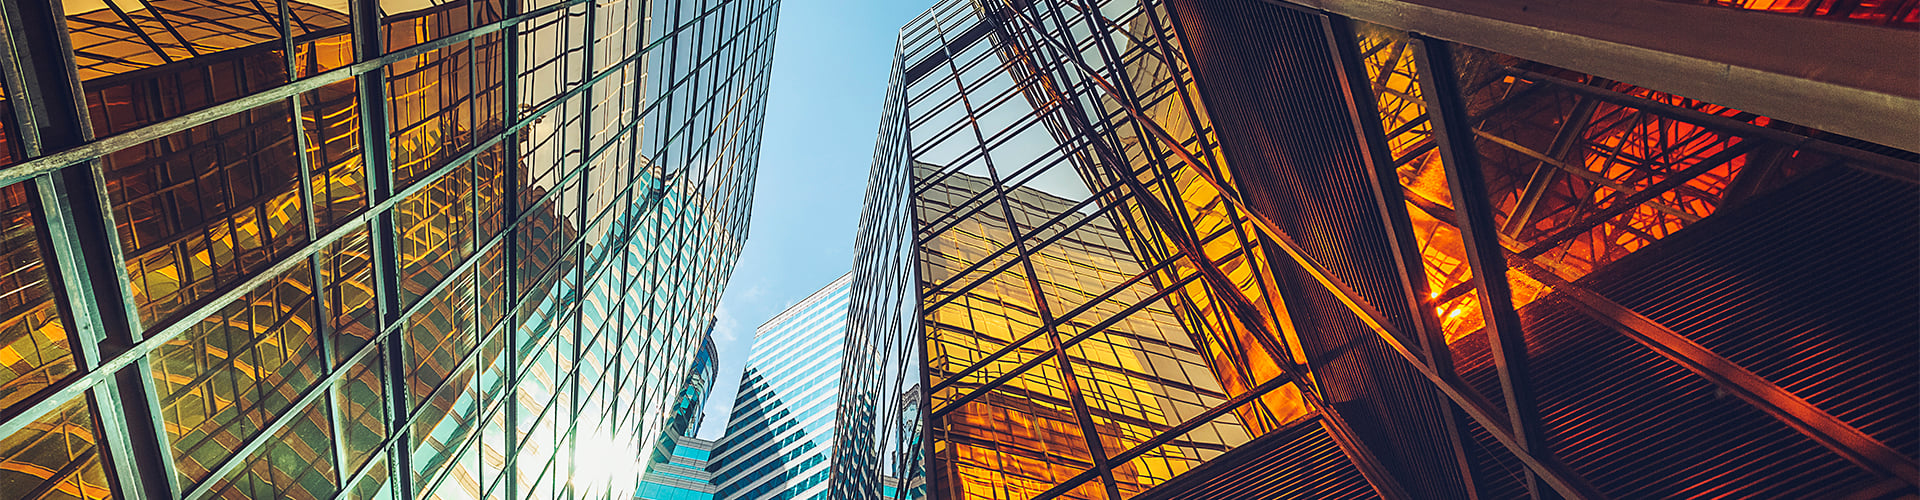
<point x="358" y="250"/>
<point x="780" y="437"/>
<point x="683" y="476"/>
<point x="685" y="417"/>
<point x="1241" y="249"/>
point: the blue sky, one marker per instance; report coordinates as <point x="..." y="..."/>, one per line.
<point x="830" y="67"/>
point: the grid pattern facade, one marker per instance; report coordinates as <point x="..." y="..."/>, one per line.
<point x="684" y="418"/>
<point x="683" y="476"/>
<point x="352" y="249"/>
<point x="779" y="440"/>
<point x="1249" y="249"/>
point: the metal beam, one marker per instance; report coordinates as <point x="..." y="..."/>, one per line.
<point x="56" y="159"/>
<point x="1572" y="135"/>
<point x="78" y="241"/>
<point x="1828" y="75"/>
<point x="1555" y="473"/>
<point x="1473" y="216"/>
<point x="1858" y="159"/>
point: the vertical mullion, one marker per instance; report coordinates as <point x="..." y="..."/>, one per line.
<point x="369" y="44"/>
<point x="1081" y="410"/>
<point x="50" y="114"/>
<point x="509" y="201"/>
<point x="1473" y="216"/>
<point x="324" y="328"/>
<point x="69" y="274"/>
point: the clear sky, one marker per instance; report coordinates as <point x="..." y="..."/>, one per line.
<point x="830" y="67"/>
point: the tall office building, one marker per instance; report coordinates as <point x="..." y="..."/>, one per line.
<point x="684" y="475"/>
<point x="342" y="249"/>
<point x="1222" y="249"/>
<point x="781" y="434"/>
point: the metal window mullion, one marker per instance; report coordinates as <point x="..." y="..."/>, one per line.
<point x="376" y="154"/>
<point x="588" y="153"/>
<point x="316" y="262"/>
<point x="370" y="60"/>
<point x="1215" y="278"/>
<point x="50" y="113"/>
<point x="147" y="345"/>
<point x="1200" y="128"/>
<point x="509" y="158"/>
<point x="70" y="274"/>
<point x="1082" y="412"/>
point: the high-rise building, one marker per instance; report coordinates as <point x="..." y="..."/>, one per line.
<point x="342" y="249"/>
<point x="780" y="437"/>
<point x="684" y="476"/>
<point x="1223" y="249"/>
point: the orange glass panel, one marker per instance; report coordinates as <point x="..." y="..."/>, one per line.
<point x="35" y="353"/>
<point x="330" y="120"/>
<point x="55" y="458"/>
<point x="435" y="228"/>
<point x="224" y="379"/>
<point x="205" y="208"/>
<point x="429" y="102"/>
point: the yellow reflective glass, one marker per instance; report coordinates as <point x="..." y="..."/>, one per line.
<point x="34" y="349"/>
<point x="296" y="463"/>
<point x="54" y="457"/>
<point x="435" y="228"/>
<point x="230" y="374"/>
<point x="203" y="209"/>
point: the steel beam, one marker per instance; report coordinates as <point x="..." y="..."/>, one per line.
<point x="1796" y="412"/>
<point x="78" y="241"/>
<point x="1571" y="138"/>
<point x="1828" y="75"/>
<point x="1554" y="472"/>
<point x="1389" y="198"/>
<point x="1473" y="216"/>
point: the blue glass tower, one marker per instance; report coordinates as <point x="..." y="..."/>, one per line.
<point x="778" y="444"/>
<point x="684" y="476"/>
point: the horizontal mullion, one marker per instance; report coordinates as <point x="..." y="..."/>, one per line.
<point x="101" y="147"/>
<point x="347" y="227"/>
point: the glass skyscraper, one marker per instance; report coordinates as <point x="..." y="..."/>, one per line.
<point x="343" y="249"/>
<point x="684" y="475"/>
<point x="1223" y="249"/>
<point x="780" y="438"/>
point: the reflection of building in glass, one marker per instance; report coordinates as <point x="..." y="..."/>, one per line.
<point x="779" y="438"/>
<point x="390" y="249"/>
<point x="684" y="418"/>
<point x="677" y="467"/>
<point x="1166" y="249"/>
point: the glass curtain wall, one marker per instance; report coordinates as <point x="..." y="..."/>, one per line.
<point x="1109" y="242"/>
<point x="1075" y="346"/>
<point x="366" y="249"/>
<point x="779" y="439"/>
<point x="684" y="475"/>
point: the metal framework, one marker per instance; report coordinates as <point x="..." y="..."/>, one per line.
<point x="353" y="380"/>
<point x="1494" y="205"/>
